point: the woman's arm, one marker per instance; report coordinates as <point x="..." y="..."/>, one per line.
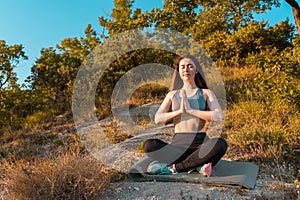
<point x="215" y="110"/>
<point x="163" y="115"/>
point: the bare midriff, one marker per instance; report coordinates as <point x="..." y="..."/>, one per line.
<point x="188" y="124"/>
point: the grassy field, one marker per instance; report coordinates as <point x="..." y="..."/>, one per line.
<point x="48" y="160"/>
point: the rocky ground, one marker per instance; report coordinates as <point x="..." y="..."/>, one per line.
<point x="269" y="185"/>
<point x="171" y="190"/>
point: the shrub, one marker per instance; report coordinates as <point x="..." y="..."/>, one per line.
<point x="67" y="176"/>
<point x="279" y="78"/>
<point x="264" y="130"/>
<point x="38" y="119"/>
<point x="148" y="93"/>
<point x="239" y="82"/>
<point x="268" y="76"/>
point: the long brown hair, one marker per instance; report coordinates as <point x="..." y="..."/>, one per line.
<point x="177" y="82"/>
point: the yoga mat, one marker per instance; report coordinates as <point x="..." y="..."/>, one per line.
<point x="225" y="173"/>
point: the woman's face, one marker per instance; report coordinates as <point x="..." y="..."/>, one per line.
<point x="187" y="69"/>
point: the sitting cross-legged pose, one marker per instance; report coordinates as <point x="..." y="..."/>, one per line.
<point x="189" y="104"/>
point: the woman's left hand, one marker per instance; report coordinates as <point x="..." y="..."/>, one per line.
<point x="186" y="103"/>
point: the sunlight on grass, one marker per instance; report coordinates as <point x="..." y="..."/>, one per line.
<point x="63" y="176"/>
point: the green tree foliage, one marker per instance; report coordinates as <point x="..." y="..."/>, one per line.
<point x="176" y="15"/>
<point x="11" y="97"/>
<point x="123" y="18"/>
<point x="254" y="37"/>
<point x="226" y="29"/>
<point x="119" y="67"/>
<point x="16" y="104"/>
<point x="184" y="16"/>
<point x="229" y="33"/>
<point x="51" y="73"/>
<point x="55" y="71"/>
<point x="10" y="56"/>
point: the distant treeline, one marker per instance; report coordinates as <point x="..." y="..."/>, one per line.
<point x="225" y="29"/>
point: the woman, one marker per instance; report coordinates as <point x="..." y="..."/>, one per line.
<point x="189" y="104"/>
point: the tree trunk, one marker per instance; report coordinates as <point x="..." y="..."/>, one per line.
<point x="296" y="13"/>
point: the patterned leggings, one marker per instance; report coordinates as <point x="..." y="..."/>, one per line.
<point x="187" y="150"/>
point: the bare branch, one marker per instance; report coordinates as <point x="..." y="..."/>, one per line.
<point x="293" y="3"/>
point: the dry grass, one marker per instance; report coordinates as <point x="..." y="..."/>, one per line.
<point x="114" y="133"/>
<point x="64" y="176"/>
<point x="41" y="164"/>
<point x="148" y="93"/>
<point x="260" y="123"/>
<point x="264" y="130"/>
<point x="23" y="144"/>
<point x="260" y="127"/>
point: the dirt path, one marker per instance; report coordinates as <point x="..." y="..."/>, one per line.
<point x="171" y="190"/>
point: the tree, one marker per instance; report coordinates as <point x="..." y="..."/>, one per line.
<point x="123" y="18"/>
<point x="55" y="71"/>
<point x="296" y="13"/>
<point x="11" y="96"/>
<point x="10" y="56"/>
<point x="176" y="14"/>
<point x="80" y="47"/>
<point x="185" y="15"/>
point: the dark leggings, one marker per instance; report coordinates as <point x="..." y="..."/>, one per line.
<point x="187" y="150"/>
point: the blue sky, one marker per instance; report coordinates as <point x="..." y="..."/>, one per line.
<point x="38" y="24"/>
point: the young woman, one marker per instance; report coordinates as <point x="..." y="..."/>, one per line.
<point x="189" y="104"/>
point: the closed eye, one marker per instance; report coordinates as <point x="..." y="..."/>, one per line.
<point x="189" y="66"/>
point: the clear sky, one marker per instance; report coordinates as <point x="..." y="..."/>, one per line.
<point x="38" y="24"/>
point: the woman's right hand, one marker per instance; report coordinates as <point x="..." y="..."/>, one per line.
<point x="183" y="101"/>
<point x="163" y="113"/>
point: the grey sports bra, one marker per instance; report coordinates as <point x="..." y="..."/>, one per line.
<point x="197" y="101"/>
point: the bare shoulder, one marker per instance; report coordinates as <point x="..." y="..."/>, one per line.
<point x="171" y="94"/>
<point x="168" y="97"/>
<point x="209" y="94"/>
<point x="165" y="105"/>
